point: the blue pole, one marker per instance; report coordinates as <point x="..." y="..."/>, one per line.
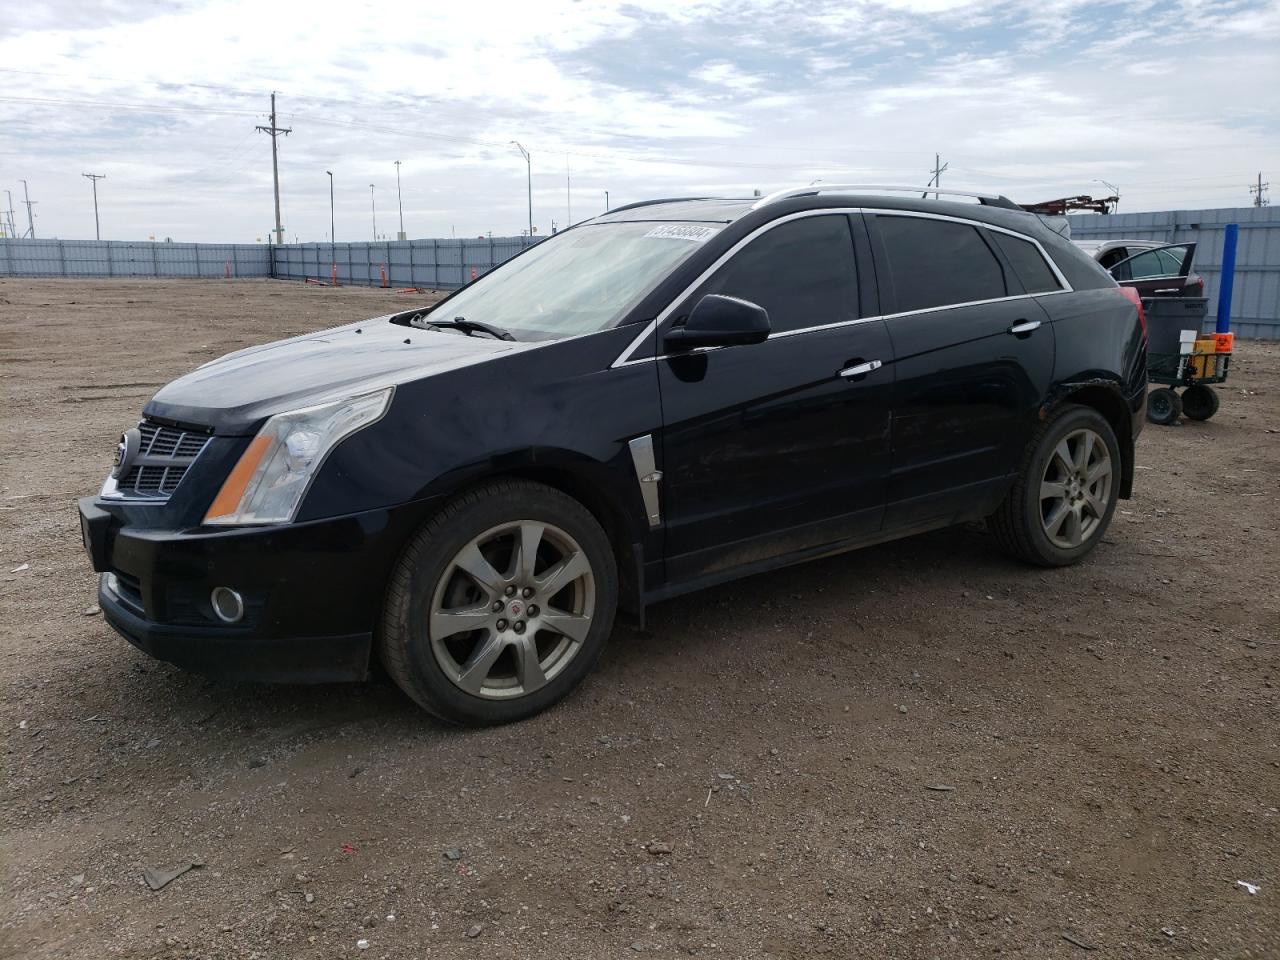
<point x="1228" y="277"/>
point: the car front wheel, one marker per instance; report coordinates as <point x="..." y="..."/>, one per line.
<point x="1066" y="492"/>
<point x="500" y="604"/>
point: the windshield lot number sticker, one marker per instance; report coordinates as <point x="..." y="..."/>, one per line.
<point x="683" y="231"/>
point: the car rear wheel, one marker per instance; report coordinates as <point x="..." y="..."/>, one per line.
<point x="500" y="604"/>
<point x="1199" y="401"/>
<point x="1062" y="502"/>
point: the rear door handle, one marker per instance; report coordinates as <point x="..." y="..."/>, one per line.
<point x="861" y="369"/>
<point x="1024" y="326"/>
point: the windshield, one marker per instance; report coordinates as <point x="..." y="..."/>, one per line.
<point x="580" y="281"/>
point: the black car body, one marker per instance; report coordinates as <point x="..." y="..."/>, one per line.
<point x="913" y="354"/>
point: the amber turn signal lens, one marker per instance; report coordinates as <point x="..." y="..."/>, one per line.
<point x="233" y="489"/>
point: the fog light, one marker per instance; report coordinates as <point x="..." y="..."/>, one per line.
<point x="228" y="605"/>
<point x="112" y="583"/>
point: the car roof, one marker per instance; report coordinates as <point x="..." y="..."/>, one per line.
<point x="728" y="210"/>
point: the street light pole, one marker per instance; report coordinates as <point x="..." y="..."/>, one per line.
<point x="606" y="201"/>
<point x="399" y="201"/>
<point x="528" y="165"/>
<point x="94" y="178"/>
<point x="373" y="205"/>
<point x="332" y="236"/>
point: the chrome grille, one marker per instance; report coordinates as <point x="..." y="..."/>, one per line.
<point x="162" y="462"/>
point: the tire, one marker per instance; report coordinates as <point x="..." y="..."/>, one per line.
<point x="1200" y="402"/>
<point x="1027" y="524"/>
<point x="1164" y="406"/>
<point x="469" y="630"/>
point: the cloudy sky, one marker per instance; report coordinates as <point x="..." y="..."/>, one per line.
<point x="1175" y="102"/>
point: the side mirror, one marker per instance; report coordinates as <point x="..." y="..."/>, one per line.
<point x="719" y="321"/>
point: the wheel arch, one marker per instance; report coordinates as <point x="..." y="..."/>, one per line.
<point x="1106" y="398"/>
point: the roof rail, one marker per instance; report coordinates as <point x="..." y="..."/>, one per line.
<point x="990" y="199"/>
<point x="649" y="203"/>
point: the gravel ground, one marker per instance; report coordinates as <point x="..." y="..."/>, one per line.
<point x="918" y="750"/>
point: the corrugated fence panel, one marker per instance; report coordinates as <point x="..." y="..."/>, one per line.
<point x="419" y="263"/>
<point x="443" y="264"/>
<point x="1255" y="300"/>
<point x="126" y="258"/>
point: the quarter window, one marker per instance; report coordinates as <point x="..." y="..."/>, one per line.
<point x="802" y="272"/>
<point x="934" y="263"/>
<point x="1027" y="263"/>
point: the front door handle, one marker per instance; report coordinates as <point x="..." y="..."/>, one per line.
<point x="861" y="369"/>
<point x="1024" y="327"/>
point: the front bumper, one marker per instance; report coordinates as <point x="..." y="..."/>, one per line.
<point x="312" y="591"/>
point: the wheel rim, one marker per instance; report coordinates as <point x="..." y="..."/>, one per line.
<point x="512" y="609"/>
<point x="1159" y="404"/>
<point x="1075" y="489"/>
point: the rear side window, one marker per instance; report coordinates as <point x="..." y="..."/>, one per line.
<point x="802" y="272"/>
<point x="1162" y="262"/>
<point x="934" y="263"/>
<point x="1027" y="263"/>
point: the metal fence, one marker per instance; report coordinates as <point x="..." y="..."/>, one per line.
<point x="126" y="258"/>
<point x="450" y="263"/>
<point x="442" y="264"/>
<point x="1255" y="301"/>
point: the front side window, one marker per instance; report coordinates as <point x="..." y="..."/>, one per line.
<point x="801" y="271"/>
<point x="936" y="263"/>
<point x="1027" y="263"/>
<point x="581" y="281"/>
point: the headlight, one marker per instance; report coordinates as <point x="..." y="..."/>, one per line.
<point x="272" y="475"/>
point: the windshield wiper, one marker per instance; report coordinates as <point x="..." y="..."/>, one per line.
<point x="469" y="327"/>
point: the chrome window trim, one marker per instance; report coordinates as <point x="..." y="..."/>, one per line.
<point x="625" y="359"/>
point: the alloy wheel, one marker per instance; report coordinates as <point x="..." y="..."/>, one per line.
<point x="1075" y="490"/>
<point x="512" y="609"/>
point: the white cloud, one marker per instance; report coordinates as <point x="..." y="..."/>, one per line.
<point x="641" y="98"/>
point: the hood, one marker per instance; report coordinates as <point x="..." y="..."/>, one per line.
<point x="235" y="393"/>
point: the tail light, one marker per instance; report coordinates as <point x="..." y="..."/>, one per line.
<point x="1132" y="296"/>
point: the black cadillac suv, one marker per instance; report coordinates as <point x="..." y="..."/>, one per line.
<point x="671" y="395"/>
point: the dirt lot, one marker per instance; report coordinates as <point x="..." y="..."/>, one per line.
<point x="752" y="776"/>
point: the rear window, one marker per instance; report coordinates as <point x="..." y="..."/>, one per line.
<point x="1027" y="263"/>
<point x="934" y="263"/>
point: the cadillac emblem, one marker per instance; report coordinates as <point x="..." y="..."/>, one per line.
<point x="126" y="452"/>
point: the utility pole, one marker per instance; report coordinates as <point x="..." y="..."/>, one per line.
<point x="399" y="201"/>
<point x="1259" y="192"/>
<point x="373" y="205"/>
<point x="31" y="221"/>
<point x="528" y="166"/>
<point x="568" y="197"/>
<point x="13" y="230"/>
<point x="95" y="177"/>
<point x="273" y="131"/>
<point x="939" y="168"/>
<point x="332" y="236"/>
